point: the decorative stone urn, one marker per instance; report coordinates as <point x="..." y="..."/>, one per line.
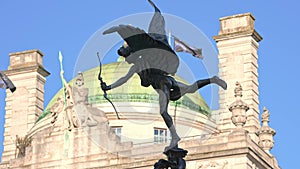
<point x="238" y="108"/>
<point x="266" y="133"/>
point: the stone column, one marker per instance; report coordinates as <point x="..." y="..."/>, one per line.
<point x="27" y="102"/>
<point x="237" y="43"/>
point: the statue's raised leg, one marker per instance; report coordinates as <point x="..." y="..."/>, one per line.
<point x="214" y="79"/>
<point x="179" y="89"/>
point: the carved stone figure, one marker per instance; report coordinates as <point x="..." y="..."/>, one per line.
<point x="80" y="93"/>
<point x="21" y="144"/>
<point x="71" y="115"/>
<point x="57" y="108"/>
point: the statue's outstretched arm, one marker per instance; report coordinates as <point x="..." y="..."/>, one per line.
<point x="124" y="79"/>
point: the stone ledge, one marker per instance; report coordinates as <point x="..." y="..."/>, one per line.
<point x="33" y="68"/>
<point x="230" y="36"/>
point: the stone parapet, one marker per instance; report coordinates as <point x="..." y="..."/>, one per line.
<point x="237" y="26"/>
<point x="26" y="58"/>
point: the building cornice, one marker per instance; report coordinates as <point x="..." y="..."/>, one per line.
<point x="28" y="69"/>
<point x="230" y="36"/>
<point x="26" y="52"/>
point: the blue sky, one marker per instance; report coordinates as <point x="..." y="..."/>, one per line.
<point x="56" y="25"/>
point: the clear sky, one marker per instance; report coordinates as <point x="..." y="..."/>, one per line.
<point x="54" y="25"/>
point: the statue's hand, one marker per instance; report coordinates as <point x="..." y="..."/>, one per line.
<point x="104" y="87"/>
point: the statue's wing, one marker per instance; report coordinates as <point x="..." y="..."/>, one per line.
<point x="135" y="37"/>
<point x="158" y="54"/>
<point x="157" y="25"/>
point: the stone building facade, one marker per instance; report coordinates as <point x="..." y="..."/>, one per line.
<point x="38" y="138"/>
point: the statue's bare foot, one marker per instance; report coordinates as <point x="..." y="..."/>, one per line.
<point x="219" y="82"/>
<point x="173" y="144"/>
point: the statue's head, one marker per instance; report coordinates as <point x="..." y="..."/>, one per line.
<point x="79" y="81"/>
<point x="124" y="51"/>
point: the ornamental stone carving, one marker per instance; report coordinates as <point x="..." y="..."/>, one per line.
<point x="21" y="144"/>
<point x="266" y="133"/>
<point x="214" y="165"/>
<point x="238" y="108"/>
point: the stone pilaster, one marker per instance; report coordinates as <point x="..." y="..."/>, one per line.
<point x="27" y="102"/>
<point x="237" y="43"/>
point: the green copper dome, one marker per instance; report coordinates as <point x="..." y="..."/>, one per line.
<point x="131" y="91"/>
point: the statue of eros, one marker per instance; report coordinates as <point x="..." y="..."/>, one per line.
<point x="155" y="62"/>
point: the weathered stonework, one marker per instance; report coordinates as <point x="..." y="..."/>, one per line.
<point x="237" y="43"/>
<point x="266" y="133"/>
<point x="27" y="102"/>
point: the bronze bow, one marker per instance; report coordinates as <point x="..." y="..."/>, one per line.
<point x="104" y="92"/>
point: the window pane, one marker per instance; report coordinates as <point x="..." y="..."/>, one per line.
<point x="160" y="135"/>
<point x="117" y="130"/>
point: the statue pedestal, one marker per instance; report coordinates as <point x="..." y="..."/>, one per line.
<point x="175" y="159"/>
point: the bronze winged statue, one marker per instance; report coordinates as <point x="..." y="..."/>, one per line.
<point x="155" y="62"/>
